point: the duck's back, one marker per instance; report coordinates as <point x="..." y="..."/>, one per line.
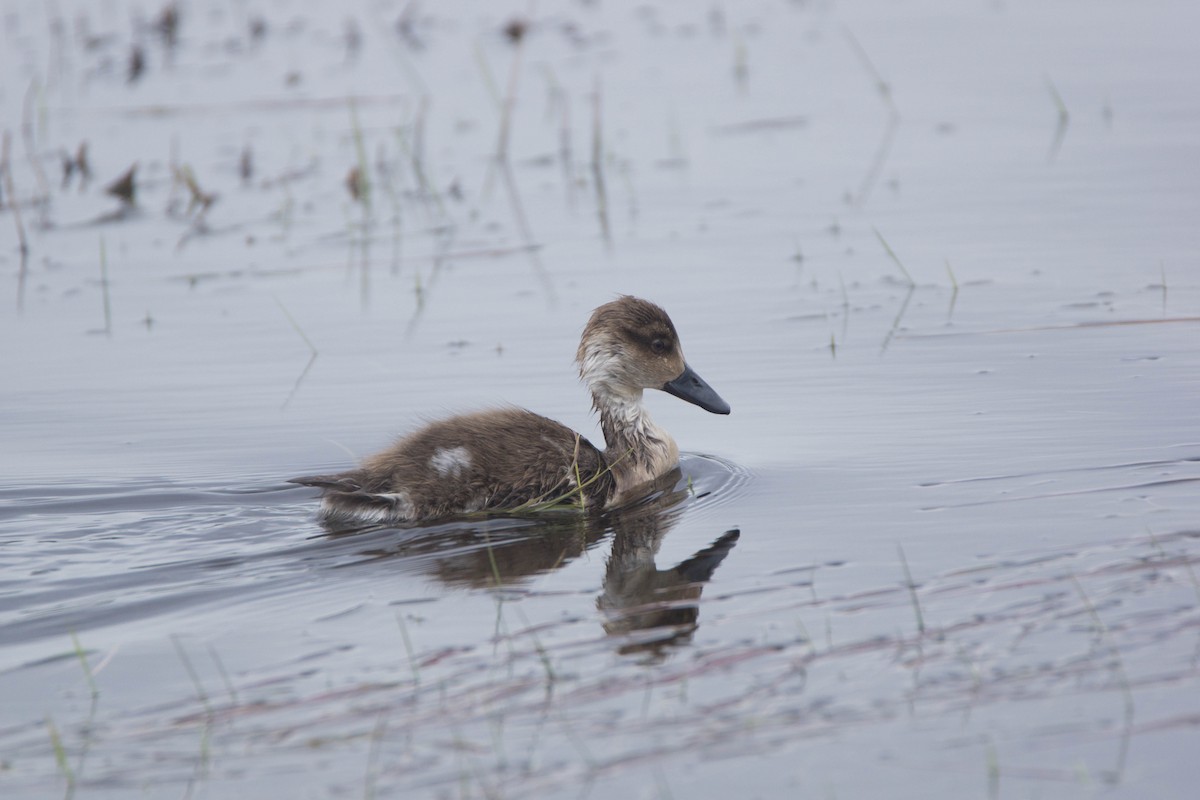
<point x="492" y="460"/>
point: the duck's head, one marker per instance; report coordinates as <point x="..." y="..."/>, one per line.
<point x="629" y="345"/>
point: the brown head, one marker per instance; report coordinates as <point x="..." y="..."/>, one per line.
<point x="629" y="345"/>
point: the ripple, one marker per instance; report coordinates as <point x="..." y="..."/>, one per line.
<point x="716" y="482"/>
<point x="80" y="557"/>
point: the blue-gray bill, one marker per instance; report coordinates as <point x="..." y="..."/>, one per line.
<point x="691" y="387"/>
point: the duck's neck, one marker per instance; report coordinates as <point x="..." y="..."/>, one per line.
<point x="637" y="450"/>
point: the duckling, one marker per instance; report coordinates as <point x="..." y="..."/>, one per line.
<point x="506" y="459"/>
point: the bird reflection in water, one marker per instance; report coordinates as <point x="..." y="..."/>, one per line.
<point x="647" y="609"/>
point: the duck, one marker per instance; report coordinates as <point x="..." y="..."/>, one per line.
<point x="506" y="460"/>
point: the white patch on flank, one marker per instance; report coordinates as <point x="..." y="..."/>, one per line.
<point x="450" y="462"/>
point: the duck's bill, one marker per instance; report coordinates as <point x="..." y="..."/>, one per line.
<point x="691" y="387"/>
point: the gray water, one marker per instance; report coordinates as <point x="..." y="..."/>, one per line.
<point x="957" y="323"/>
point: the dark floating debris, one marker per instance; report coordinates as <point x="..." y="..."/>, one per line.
<point x="258" y="29"/>
<point x="167" y="25"/>
<point x="354" y="184"/>
<point x="137" y="63"/>
<point x="76" y="165"/>
<point x="352" y="36"/>
<point x="125" y="187"/>
<point x="82" y="165"/>
<point x="515" y="29"/>
<point x="406" y="27"/>
<point x="246" y="165"/>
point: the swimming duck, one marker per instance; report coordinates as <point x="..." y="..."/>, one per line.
<point x="509" y="459"/>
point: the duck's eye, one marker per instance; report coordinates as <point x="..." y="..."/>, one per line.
<point x="659" y="346"/>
